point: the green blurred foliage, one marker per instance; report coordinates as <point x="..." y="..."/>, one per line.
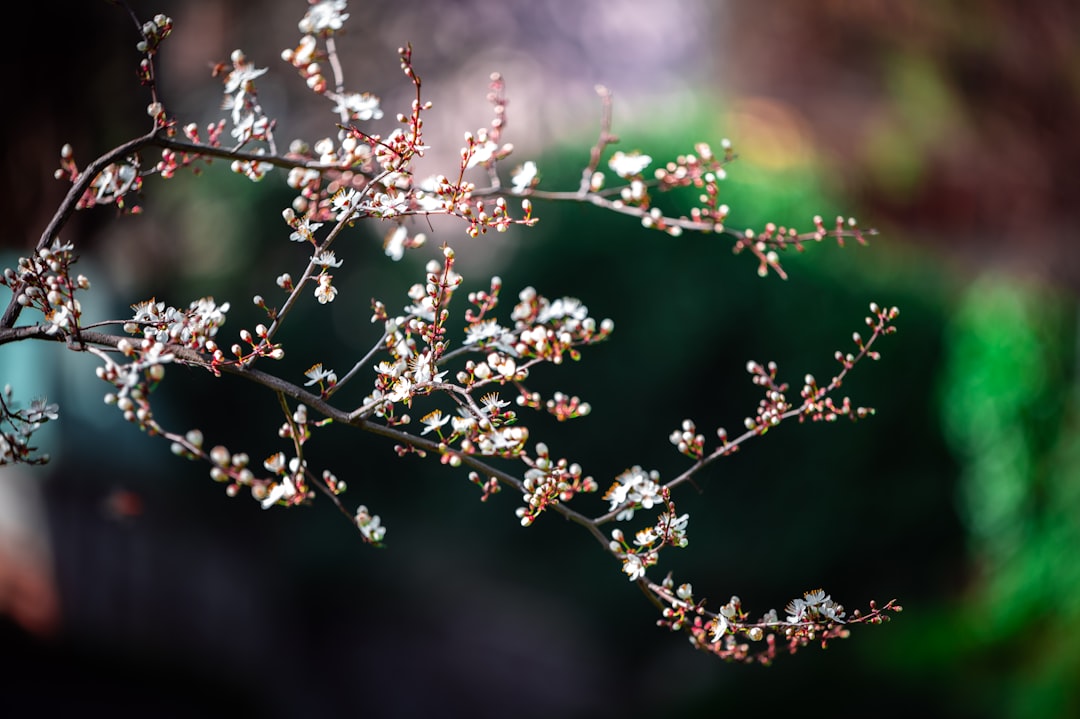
<point x="1010" y="407"/>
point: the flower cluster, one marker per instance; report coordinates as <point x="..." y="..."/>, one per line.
<point x="114" y="183"/>
<point x="18" y="425"/>
<point x="370" y="526"/>
<point x="43" y="282"/>
<point x="153" y="33"/>
<point x="194" y="327"/>
<point x="548" y="482"/>
<point x="249" y="122"/>
<point x="633" y="489"/>
<point x="134" y="380"/>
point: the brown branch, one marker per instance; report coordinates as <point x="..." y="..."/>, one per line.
<point x="69" y="203"/>
<point x="283" y="387"/>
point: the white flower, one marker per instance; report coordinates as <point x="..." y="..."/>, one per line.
<point x="402" y="390"/>
<point x="61" y="319"/>
<point x="720" y="628"/>
<point x="423" y="369"/>
<point x="394" y="242"/>
<point x="819" y="604"/>
<point x="326" y="259"/>
<point x="40" y="410"/>
<point x="325" y="292"/>
<point x="561" y="308"/>
<point x="305" y="231"/>
<point x="462" y="423"/>
<point x="636" y="487"/>
<point x="832" y="610"/>
<point x="241" y="75"/>
<point x="489" y="333"/>
<point x="358" y="106"/>
<point x="249" y="126"/>
<point x="115" y="181"/>
<point x="304" y="54"/>
<point x="386" y="205"/>
<point x="433" y="420"/>
<point x="505" y="366"/>
<point x="285" y="489"/>
<point x="275" y="462"/>
<point x="390" y="369"/>
<point x="369" y="525"/>
<point x="317" y="374"/>
<point x="796" y="611"/>
<point x="627" y="166"/>
<point x="505" y="439"/>
<point x="633" y="566"/>
<point x="345" y="201"/>
<point x="676" y="527"/>
<point x="645" y="537"/>
<point x="323" y="16"/>
<point x="491" y="403"/>
<point x="482" y="154"/>
<point x="524" y="178"/>
<point x="428" y="197"/>
<point x="484" y="330"/>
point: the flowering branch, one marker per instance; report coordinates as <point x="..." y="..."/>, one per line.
<point x="360" y="175"/>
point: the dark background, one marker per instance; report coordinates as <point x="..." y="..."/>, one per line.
<point x="129" y="583"/>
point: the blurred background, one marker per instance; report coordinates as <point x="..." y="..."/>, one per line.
<point x="129" y="583"/>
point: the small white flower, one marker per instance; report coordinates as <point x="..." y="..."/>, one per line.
<point x="481" y="331"/>
<point x="628" y="166"/>
<point x="358" y="106"/>
<point x="325" y="292"/>
<point x="645" y="537"/>
<point x="482" y="154"/>
<point x="241" y="75"/>
<point x="327" y="15"/>
<point x="40" y="410"/>
<point x="524" y="178"/>
<point x="463" y="422"/>
<point x="317" y="374"/>
<point x="386" y="205"/>
<point x="326" y="259"/>
<point x="402" y="390"/>
<point x="491" y="403"/>
<point x="370" y="525"/>
<point x="390" y="369"/>
<point x="434" y="420"/>
<point x="720" y="628"/>
<point x="345" y="201"/>
<point x="305" y="231"/>
<point x="636" y="487"/>
<point x="423" y="369"/>
<point x="564" y="307"/>
<point x="275" y="462"/>
<point x="796" y="611"/>
<point x="633" y="566"/>
<point x="394" y="242"/>
<point x="505" y="366"/>
<point x="285" y="489"/>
